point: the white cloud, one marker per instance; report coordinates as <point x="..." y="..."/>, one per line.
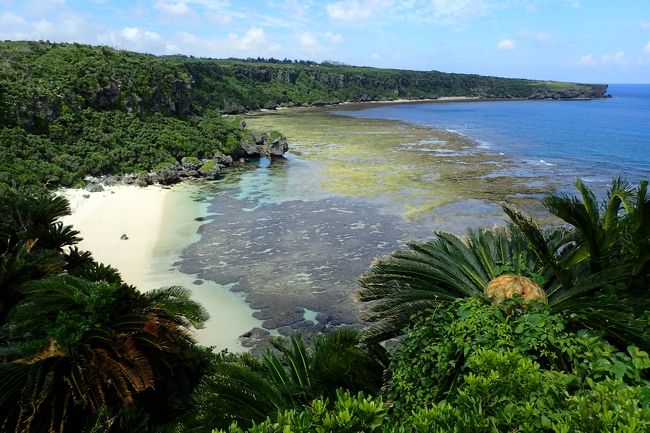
<point x="221" y="18"/>
<point x="298" y="10"/>
<point x="452" y="11"/>
<point x="173" y="8"/>
<point x="67" y="27"/>
<point x="11" y="20"/>
<point x="43" y="27"/>
<point x="618" y="57"/>
<point x="540" y="38"/>
<point x="607" y="59"/>
<point x="309" y="43"/>
<point x="336" y="38"/>
<point x="356" y="10"/>
<point x="255" y="38"/>
<point x="506" y="44"/>
<point x="532" y="9"/>
<point x="644" y="24"/>
<point x="587" y="60"/>
<point x="647" y="47"/>
<point x="134" y="39"/>
<point x="255" y="42"/>
<point x="375" y="56"/>
<point x="134" y="34"/>
<point x="14" y="26"/>
<point x="219" y="5"/>
<point x="40" y="6"/>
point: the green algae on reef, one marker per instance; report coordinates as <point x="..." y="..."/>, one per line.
<point x="416" y="169"/>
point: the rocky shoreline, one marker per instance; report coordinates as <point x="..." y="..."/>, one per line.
<point x="273" y="146"/>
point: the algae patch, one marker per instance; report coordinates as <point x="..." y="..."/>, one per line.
<point x="410" y="168"/>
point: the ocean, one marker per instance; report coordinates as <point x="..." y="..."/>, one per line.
<point x="594" y="140"/>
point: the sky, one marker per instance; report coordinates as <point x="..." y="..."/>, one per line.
<point x="598" y="41"/>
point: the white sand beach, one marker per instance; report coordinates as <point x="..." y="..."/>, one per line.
<point x="159" y="223"/>
<point x="103" y="217"/>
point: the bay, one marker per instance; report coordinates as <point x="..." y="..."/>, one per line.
<point x="291" y="237"/>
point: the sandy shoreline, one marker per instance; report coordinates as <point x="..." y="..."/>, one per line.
<point x="103" y="217"/>
<point x="159" y="223"/>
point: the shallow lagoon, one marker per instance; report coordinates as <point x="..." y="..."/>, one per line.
<point x="280" y="245"/>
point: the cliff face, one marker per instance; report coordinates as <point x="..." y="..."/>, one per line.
<point x="241" y="86"/>
<point x="41" y="82"/>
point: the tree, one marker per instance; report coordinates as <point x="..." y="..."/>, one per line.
<point x="440" y="271"/>
<point x="470" y="366"/>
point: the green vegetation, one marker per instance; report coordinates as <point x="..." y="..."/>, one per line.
<point x="79" y="347"/>
<point x="471" y="367"/>
<point x="529" y="330"/>
<point x="246" y="389"/>
<point x="109" y="142"/>
<point x="255" y="84"/>
<point x="67" y="111"/>
<point x="517" y="329"/>
<point x="70" y="110"/>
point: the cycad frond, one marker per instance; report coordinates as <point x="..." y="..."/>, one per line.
<point x="618" y="195"/>
<point x="546" y="252"/>
<point x="441" y="270"/>
<point x="177" y="301"/>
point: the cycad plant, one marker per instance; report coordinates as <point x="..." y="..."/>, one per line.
<point x="440" y="271"/>
<point x="104" y="344"/>
<point x="600" y="275"/>
<point x="594" y="269"/>
<point x="246" y="389"/>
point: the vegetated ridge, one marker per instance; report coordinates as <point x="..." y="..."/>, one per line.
<point x="235" y="86"/>
<point x="70" y="110"/>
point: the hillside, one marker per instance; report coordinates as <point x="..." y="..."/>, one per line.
<point x="237" y="85"/>
<point x="67" y="110"/>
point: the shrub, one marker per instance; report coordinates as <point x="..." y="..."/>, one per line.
<point x="349" y="414"/>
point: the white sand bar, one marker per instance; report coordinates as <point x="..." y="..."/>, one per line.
<point x="159" y="223"/>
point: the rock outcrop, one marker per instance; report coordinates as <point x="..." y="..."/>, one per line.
<point x="273" y="144"/>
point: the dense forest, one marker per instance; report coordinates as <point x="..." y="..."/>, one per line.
<point x="70" y="110"/>
<point x="513" y="329"/>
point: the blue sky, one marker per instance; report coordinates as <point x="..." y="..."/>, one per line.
<point x="574" y="40"/>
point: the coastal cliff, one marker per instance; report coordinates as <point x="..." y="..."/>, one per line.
<point x="71" y="110"/>
<point x="248" y="85"/>
<point x="42" y="82"/>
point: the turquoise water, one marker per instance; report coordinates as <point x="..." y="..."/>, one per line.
<point x="594" y="140"/>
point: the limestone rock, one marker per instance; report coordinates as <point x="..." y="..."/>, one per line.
<point x="166" y="176"/>
<point x="94" y="187"/>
